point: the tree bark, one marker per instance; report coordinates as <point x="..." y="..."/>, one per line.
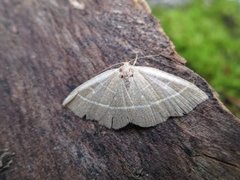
<point x="47" y="48"/>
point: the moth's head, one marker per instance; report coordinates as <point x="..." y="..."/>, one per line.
<point x="126" y="70"/>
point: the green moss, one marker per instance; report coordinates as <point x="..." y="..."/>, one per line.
<point x="208" y="36"/>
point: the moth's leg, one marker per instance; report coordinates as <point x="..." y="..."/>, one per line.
<point x="136" y="58"/>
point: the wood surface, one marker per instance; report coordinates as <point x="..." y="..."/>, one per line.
<point x="47" y="48"/>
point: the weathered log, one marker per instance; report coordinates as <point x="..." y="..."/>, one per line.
<point x="49" y="47"/>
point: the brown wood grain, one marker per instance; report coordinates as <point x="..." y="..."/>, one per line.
<point x="47" y="48"/>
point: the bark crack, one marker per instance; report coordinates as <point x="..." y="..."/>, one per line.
<point x="219" y="160"/>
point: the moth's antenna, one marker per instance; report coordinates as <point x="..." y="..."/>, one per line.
<point x="136" y="59"/>
<point x="152" y="56"/>
<point x="110" y="67"/>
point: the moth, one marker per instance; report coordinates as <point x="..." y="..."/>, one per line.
<point x="140" y="95"/>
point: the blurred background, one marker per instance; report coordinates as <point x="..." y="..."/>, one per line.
<point x="207" y="34"/>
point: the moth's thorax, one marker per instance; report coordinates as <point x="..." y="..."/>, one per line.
<point x="126" y="71"/>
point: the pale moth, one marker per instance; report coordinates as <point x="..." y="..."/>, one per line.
<point x="140" y="95"/>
